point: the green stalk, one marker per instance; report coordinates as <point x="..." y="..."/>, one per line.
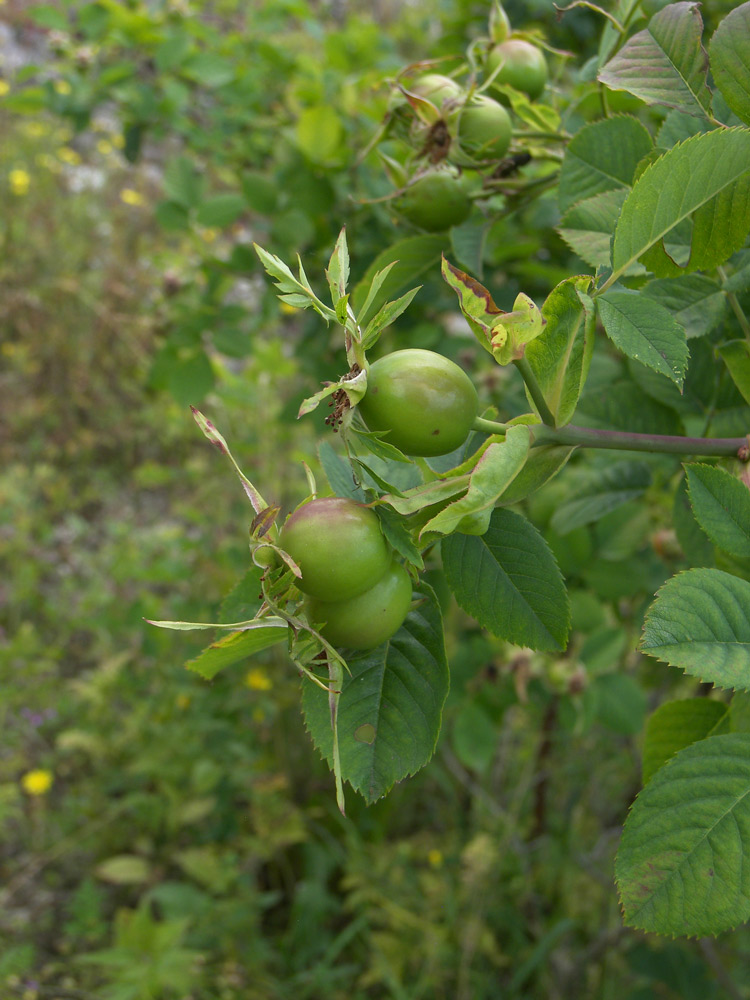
<point x="735" y="304"/>
<point x="535" y="391"/>
<point x="489" y="426"/>
<point x="589" y="437"/>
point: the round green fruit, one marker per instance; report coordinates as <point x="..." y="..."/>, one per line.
<point x="367" y="620"/>
<point x="435" y="201"/>
<point x="435" y="88"/>
<point x="522" y="65"/>
<point x="338" y="546"/>
<point x="484" y="129"/>
<point x="425" y="402"/>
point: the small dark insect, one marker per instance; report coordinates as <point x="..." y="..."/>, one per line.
<point x="511" y="165"/>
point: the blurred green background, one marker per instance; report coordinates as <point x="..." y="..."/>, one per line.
<point x="162" y="837"/>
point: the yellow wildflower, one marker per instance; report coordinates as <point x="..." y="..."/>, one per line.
<point x="131" y="197"/>
<point x="19" y="181"/>
<point x="258" y="680"/>
<point x="69" y="156"/>
<point x="118" y="141"/>
<point x="435" y="858"/>
<point x="104" y="147"/>
<point x="4" y="87"/>
<point x="62" y="87"/>
<point x="287" y="309"/>
<point x="37" y="782"/>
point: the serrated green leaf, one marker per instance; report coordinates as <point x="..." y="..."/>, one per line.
<point x="376" y="443"/>
<point x="696" y="302"/>
<point x="721" y="505"/>
<point x="508" y="580"/>
<point x="385" y="316"/>
<point x="408" y="258"/>
<point x="380" y="483"/>
<point x="543" y="463"/>
<point x="390" y="707"/>
<point x="242" y="601"/>
<point x="296" y="292"/>
<point x="677" y="127"/>
<point x="623" y="406"/>
<point x="676" y="725"/>
<point x="736" y="355"/>
<point x="700" y="622"/>
<point x="493" y="473"/>
<point x="426" y="495"/>
<point x="681" y="867"/>
<point x="376" y="284"/>
<point x="468" y="243"/>
<point x="604" y="492"/>
<point x="696" y="547"/>
<point x="729" y="55"/>
<point x="339" y="474"/>
<point x="602" y="157"/>
<point x="645" y="331"/>
<point x="705" y="179"/>
<point x="560" y="357"/>
<point x="665" y="63"/>
<point x="337" y="272"/>
<point x="588" y="225"/>
<point x="399" y="537"/>
<point x="255" y="636"/>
